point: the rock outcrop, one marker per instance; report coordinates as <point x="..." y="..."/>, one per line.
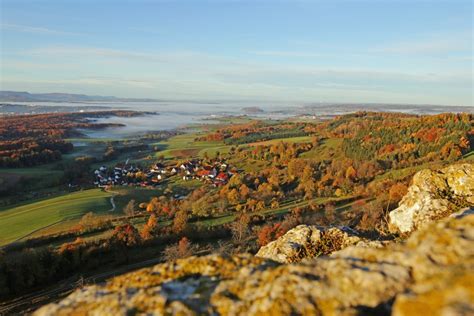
<point x="432" y="273"/>
<point x="305" y="241"/>
<point x="434" y="195"/>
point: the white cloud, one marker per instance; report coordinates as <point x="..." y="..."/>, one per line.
<point x="188" y="74"/>
<point x="90" y="81"/>
<point x="214" y="89"/>
<point x="287" y="54"/>
<point x="34" y="29"/>
<point x="225" y="68"/>
<point x="88" y="52"/>
<point x="431" y="44"/>
<point x="341" y="74"/>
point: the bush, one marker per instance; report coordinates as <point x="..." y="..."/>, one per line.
<point x="180" y="250"/>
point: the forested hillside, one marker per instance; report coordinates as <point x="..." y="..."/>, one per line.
<point x="351" y="170"/>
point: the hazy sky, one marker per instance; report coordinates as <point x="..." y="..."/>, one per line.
<point x="348" y="51"/>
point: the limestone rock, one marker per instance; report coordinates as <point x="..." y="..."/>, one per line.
<point x="306" y="241"/>
<point x="431" y="273"/>
<point x="434" y="195"/>
<point x="460" y="179"/>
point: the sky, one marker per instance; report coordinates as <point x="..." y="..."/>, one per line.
<point x="380" y="51"/>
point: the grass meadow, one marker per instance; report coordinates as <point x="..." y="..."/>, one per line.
<point x="23" y="220"/>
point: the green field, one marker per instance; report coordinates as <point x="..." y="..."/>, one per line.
<point x="329" y="149"/>
<point x="297" y="139"/>
<point x="86" y="147"/>
<point x="122" y="195"/>
<point x="398" y="174"/>
<point x="20" y="221"/>
<point x="184" y="146"/>
<point x="29" y="183"/>
<point x="469" y="157"/>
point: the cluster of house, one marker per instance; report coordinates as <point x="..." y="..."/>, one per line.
<point x="120" y="175"/>
<point x="216" y="172"/>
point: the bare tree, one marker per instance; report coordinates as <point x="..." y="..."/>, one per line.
<point x="129" y="209"/>
<point x="240" y="228"/>
<point x="182" y="249"/>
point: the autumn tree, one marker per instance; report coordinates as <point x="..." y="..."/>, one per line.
<point x="396" y="192"/>
<point x="293" y="168"/>
<point x="151" y="207"/>
<point x="126" y="235"/>
<point x="202" y="207"/>
<point x="89" y="221"/>
<point x="180" y="221"/>
<point x="149" y="229"/>
<point x="244" y="191"/>
<point x="233" y="196"/>
<point x="182" y="249"/>
<point x="351" y="173"/>
<point x="307" y="183"/>
<point x="268" y="233"/>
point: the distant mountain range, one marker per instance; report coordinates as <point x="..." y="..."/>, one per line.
<point x="20" y="96"/>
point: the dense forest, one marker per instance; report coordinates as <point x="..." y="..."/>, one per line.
<point x="29" y="140"/>
<point x="404" y="140"/>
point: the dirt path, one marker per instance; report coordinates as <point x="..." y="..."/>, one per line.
<point x="112" y="202"/>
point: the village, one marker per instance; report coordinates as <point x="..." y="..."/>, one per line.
<point x="215" y="172"/>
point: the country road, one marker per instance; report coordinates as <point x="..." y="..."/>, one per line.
<point x="112" y="202"/>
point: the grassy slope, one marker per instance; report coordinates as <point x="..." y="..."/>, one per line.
<point x="45" y="174"/>
<point x="469" y="157"/>
<point x="20" y="221"/>
<point x="29" y="181"/>
<point x="297" y="139"/>
<point x="184" y="146"/>
<point x="329" y="149"/>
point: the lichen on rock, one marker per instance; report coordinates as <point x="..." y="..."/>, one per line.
<point x="306" y="241"/>
<point x="432" y="272"/>
<point x="434" y="195"/>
